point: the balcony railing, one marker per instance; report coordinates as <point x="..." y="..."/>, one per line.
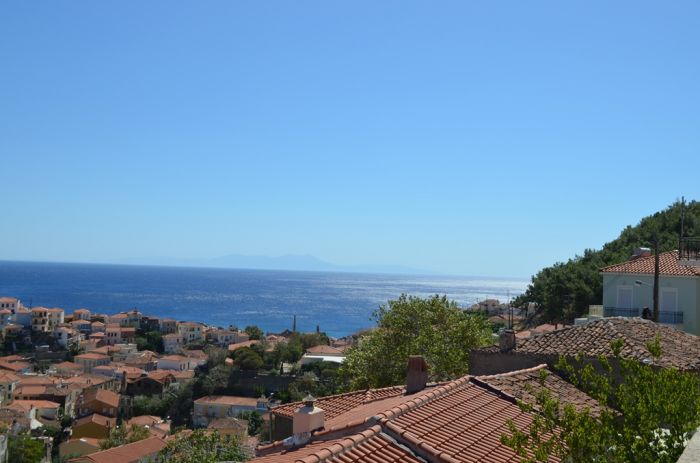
<point x="689" y="252"/>
<point x="665" y="316"/>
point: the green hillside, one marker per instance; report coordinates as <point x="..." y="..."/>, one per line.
<point x="566" y="289"/>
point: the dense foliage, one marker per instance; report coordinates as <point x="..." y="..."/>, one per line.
<point x="435" y="328"/>
<point x="24" y="449"/>
<point x="566" y="289"/>
<point x="652" y="414"/>
<point x="201" y="446"/>
<point x="122" y="435"/>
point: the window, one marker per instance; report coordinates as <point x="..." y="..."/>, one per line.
<point x="624" y="297"/>
<point x="669" y="299"/>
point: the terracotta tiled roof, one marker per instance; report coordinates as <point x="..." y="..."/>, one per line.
<point x="239" y="345"/>
<point x="227" y="400"/>
<point x="92" y="356"/>
<point x="130" y="453"/>
<point x="35" y="404"/>
<point x="144" y="420"/>
<point x="324" y="350"/>
<point x="67" y="366"/>
<point x="524" y="384"/>
<point x="668" y="265"/>
<point x="461" y="421"/>
<point x="7" y="377"/>
<point x="336" y="405"/>
<point x="678" y="349"/>
<point x="98" y="419"/>
<point x="14" y="366"/>
<point x="365" y="446"/>
<point x="102" y="395"/>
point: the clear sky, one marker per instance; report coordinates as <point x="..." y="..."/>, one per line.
<point x="488" y="138"/>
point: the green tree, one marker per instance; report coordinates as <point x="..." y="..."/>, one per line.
<point x="247" y="359"/>
<point x="152" y="405"/>
<point x="216" y="380"/>
<point x="121" y="435"/>
<point x="435" y="328"/>
<point x="255" y="421"/>
<point x="647" y="417"/>
<point x="215" y="356"/>
<point x="201" y="447"/>
<point x="254" y="332"/>
<point x="24" y="449"/>
<point x="150" y="340"/>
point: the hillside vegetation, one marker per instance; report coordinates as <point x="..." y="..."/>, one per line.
<point x="566" y="289"/>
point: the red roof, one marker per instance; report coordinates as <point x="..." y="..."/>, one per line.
<point x="130" y="453"/>
<point x="461" y="421"/>
<point x="668" y="266"/>
<point x="678" y="349"/>
<point x="336" y="405"/>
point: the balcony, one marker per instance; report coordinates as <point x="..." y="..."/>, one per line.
<point x="666" y="317"/>
<point x="689" y="252"/>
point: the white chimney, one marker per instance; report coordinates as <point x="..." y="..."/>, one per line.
<point x="307" y="419"/>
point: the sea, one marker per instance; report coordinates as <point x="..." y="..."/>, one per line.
<point x="338" y="303"/>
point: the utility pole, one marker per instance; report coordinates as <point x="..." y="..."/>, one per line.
<point x="656" y="277"/>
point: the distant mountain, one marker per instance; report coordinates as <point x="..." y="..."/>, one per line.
<point x="304" y="262"/>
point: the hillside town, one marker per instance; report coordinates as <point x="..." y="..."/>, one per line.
<point x="71" y="380"/>
<point x="92" y="387"/>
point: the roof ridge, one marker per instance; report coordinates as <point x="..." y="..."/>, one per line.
<point x="426" y="397"/>
<point x="511" y="373"/>
<point x="325" y="453"/>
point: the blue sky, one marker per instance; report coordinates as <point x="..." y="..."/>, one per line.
<point x="488" y="138"/>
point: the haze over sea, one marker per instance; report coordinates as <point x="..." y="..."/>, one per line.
<point x="340" y="303"/>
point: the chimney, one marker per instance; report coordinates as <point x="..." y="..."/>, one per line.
<point x="506" y="340"/>
<point x="417" y="374"/>
<point x="306" y="420"/>
<point x="640" y="252"/>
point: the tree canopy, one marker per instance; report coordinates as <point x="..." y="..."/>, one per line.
<point x="566" y="289"/>
<point x="201" y="446"/>
<point x="435" y="328"/>
<point x="648" y="417"/>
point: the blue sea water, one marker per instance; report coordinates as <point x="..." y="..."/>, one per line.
<point x="340" y="303"/>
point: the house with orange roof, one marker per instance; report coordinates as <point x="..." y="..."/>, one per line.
<point x="78" y="446"/>
<point x="208" y="408"/>
<point x="191" y="331"/>
<point x="66" y="337"/>
<point x="100" y="401"/>
<point x="457" y="421"/>
<point x="177" y="362"/>
<point x="322" y="354"/>
<point x="8" y="383"/>
<point x="173" y="343"/>
<point x="94" y="425"/>
<point x="11" y="303"/>
<point x="168" y="325"/>
<point x="136" y="452"/>
<point x="81" y="314"/>
<point x="628" y="288"/>
<point x="156" y="425"/>
<point x="90" y="360"/>
<point x="45" y="320"/>
<point x="592" y="340"/>
<point x="16" y="367"/>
